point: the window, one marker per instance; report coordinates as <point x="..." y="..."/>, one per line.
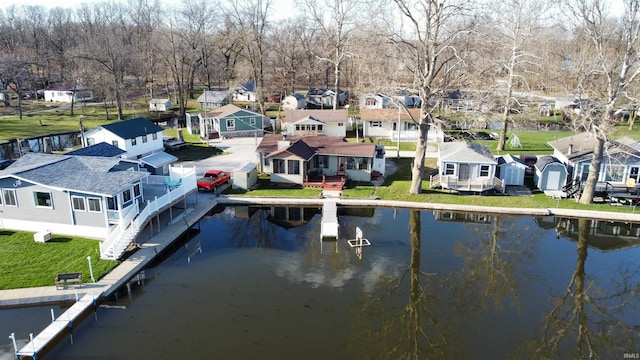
<point x="585" y="172"/>
<point x="126" y="196"/>
<point x="375" y="123"/>
<point x="370" y="101"/>
<point x="144" y="139"/>
<point x="320" y="128"/>
<point x="297" y="127"/>
<point x="155" y="136"/>
<point x="484" y="170"/>
<point x="450" y="169"/>
<point x="252" y="121"/>
<point x="340" y="124"/>
<point x="9" y="197"/>
<point x="43" y="199"/>
<point x="78" y="203"/>
<point x="136" y="190"/>
<point x="266" y="161"/>
<point x="134" y="142"/>
<point x="94" y="205"/>
<point x="293" y="167"/>
<point x="322" y="161"/>
<point x="231" y="124"/>
<point x="114" y="143"/>
<point x="112" y="203"/>
<point x="357" y="163"/>
<point x="614" y="173"/>
<point x="278" y="166"/>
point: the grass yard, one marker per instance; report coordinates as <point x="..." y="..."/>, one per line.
<point x="25" y="263"/>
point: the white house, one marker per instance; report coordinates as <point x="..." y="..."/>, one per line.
<point x="383" y="123"/>
<point x="245" y="92"/>
<point x="67" y="93"/>
<point x="316" y="122"/>
<point x="160" y="105"/>
<point x="212" y="99"/>
<point x="138" y="137"/>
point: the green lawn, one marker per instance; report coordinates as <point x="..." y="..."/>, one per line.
<point x="25" y="263"/>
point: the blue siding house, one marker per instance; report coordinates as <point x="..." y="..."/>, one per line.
<point x="232" y="121"/>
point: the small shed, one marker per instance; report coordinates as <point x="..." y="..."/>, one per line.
<point x="193" y="123"/>
<point x="160" y="105"/>
<point x="245" y="177"/>
<point x="511" y="170"/>
<point x="294" y="102"/>
<point x="550" y="173"/>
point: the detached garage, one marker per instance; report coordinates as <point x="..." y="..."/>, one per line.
<point x="550" y="173"/>
<point x="511" y="170"/>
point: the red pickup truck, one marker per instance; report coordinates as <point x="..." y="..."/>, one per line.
<point x="212" y="179"/>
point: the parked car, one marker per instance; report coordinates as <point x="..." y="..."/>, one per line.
<point x="273" y="98"/>
<point x="212" y="179"/>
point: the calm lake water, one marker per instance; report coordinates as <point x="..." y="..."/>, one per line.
<point x="257" y="283"/>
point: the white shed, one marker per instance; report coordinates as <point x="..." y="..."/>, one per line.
<point x="245" y="177"/>
<point x="160" y="105"/>
<point x="511" y="170"/>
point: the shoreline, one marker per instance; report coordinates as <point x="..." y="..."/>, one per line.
<point x="153" y="246"/>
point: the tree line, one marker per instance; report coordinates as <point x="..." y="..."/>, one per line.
<point x="505" y="47"/>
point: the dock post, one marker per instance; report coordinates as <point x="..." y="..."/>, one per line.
<point x="53" y="317"/>
<point x="15" y="345"/>
<point x="35" y="354"/>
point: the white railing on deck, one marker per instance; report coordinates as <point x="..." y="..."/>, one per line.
<point x="131" y="224"/>
<point x="447" y="182"/>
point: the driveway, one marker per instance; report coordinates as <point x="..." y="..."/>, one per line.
<point x="238" y="151"/>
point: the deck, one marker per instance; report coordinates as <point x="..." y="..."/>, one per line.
<point x="478" y="186"/>
<point x="326" y="182"/>
<point x="329" y="224"/>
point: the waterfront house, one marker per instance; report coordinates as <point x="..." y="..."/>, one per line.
<point x="621" y="159"/>
<point x="317" y="160"/>
<point x="466" y="167"/>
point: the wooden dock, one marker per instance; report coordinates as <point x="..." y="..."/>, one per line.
<point x="329" y="224"/>
<point x="57" y="327"/>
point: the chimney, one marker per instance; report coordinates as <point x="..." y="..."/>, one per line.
<point x="283" y="144"/>
<point x="570" y="149"/>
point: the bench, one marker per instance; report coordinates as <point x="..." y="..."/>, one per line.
<point x="64" y="279"/>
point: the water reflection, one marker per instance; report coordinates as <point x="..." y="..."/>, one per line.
<point x="256" y="283"/>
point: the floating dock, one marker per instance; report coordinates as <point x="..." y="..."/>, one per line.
<point x="329" y="225"/>
<point x="57" y="326"/>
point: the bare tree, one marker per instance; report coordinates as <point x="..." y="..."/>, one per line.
<point x="515" y="24"/>
<point x="336" y="21"/>
<point x="612" y="49"/>
<point x="432" y="51"/>
<point x="250" y="20"/>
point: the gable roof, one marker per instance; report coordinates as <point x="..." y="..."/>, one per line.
<point x="325" y="116"/>
<point x="298" y="149"/>
<point x="89" y="174"/>
<point x="574" y="144"/>
<point x="129" y="129"/>
<point x="580" y="147"/>
<point x="320" y="145"/>
<point x="226" y="110"/>
<point x="64" y="87"/>
<point x="544" y="161"/>
<point x="100" y="149"/>
<point x="510" y="159"/>
<point x="248" y="86"/>
<point x="466" y="152"/>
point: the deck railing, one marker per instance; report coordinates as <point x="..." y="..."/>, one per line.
<point x="480" y="185"/>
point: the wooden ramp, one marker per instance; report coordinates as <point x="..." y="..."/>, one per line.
<point x="329" y="224"/>
<point x="51" y="332"/>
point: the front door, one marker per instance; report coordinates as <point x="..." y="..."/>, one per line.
<point x="463" y="172"/>
<point x="342" y="165"/>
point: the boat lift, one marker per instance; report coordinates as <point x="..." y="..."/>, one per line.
<point x="358" y="242"/>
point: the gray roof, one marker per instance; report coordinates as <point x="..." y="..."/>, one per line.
<point x="543" y="161"/>
<point x="100" y="149"/>
<point x="509" y="159"/>
<point x="89" y="174"/>
<point x="129" y="129"/>
<point x="216" y="97"/>
<point x="325" y="116"/>
<point x="462" y="151"/>
<point x="158" y="159"/>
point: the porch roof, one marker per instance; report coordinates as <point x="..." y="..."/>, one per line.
<point x="158" y="159"/>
